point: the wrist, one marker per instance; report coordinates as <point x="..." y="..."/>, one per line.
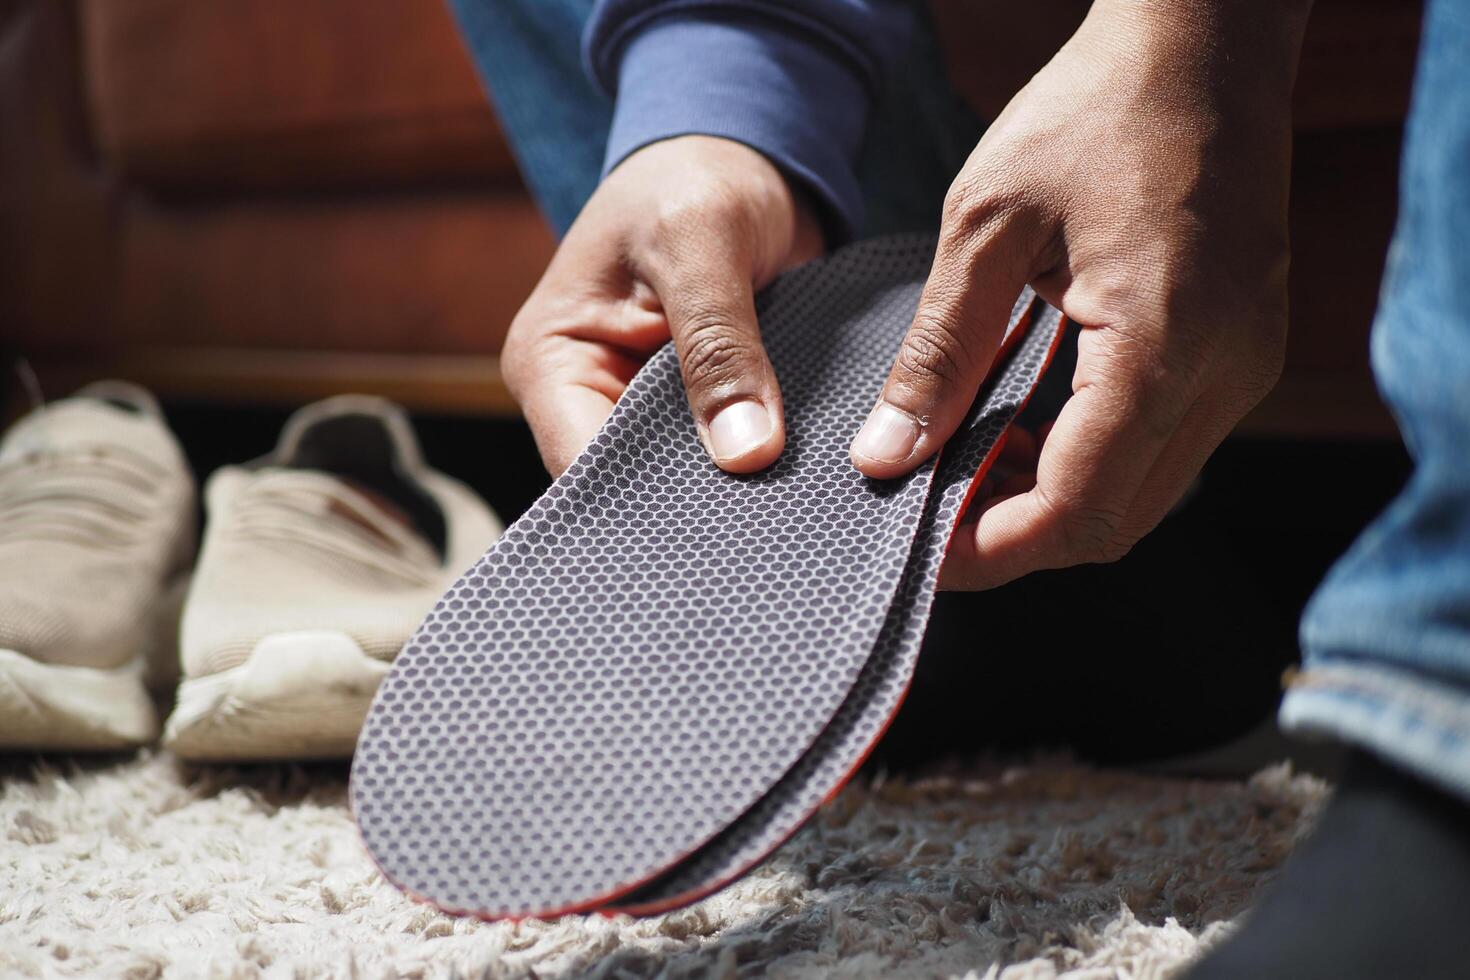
<point x="800" y="105"/>
<point x="1277" y="15"/>
<point x="1231" y="48"/>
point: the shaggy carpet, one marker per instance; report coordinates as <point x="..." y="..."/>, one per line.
<point x="143" y="868"/>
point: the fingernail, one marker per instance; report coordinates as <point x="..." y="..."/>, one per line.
<point x="888" y="435"/>
<point x="738" y="428"/>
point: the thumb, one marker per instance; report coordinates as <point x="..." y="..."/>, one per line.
<point x="980" y="267"/>
<point x="708" y="296"/>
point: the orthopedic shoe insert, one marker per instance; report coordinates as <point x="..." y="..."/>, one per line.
<point x="661" y="670"/>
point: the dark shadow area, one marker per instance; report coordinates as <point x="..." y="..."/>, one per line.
<point x="1176" y="648"/>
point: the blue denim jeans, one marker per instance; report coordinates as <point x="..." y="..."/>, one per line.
<point x="1387" y="638"/>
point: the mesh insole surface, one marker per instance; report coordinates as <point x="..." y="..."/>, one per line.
<point x="658" y="672"/>
<point x="881" y="684"/>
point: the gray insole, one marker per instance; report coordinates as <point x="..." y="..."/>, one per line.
<point x="875" y="698"/>
<point x="642" y="658"/>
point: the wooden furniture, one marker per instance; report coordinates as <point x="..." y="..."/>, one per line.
<point x="273" y="200"/>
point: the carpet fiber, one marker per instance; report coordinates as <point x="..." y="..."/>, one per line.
<point x="143" y="868"/>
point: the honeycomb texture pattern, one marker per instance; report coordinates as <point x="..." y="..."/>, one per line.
<point x="884" y="679"/>
<point x="645" y="654"/>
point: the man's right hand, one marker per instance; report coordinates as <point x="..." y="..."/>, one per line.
<point x="673" y="245"/>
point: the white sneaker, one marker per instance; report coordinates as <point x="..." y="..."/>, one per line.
<point x="96" y="532"/>
<point x="318" y="562"/>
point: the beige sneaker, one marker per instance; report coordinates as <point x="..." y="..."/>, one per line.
<point x="96" y="532"/>
<point x="318" y="562"/>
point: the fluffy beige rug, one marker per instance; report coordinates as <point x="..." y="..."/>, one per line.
<point x="141" y="868"/>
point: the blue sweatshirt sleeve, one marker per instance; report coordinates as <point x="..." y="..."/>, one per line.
<point x="793" y="79"/>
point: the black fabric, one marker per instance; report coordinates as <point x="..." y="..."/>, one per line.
<point x="1380" y="889"/>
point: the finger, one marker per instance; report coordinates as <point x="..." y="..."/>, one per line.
<point x="1204" y="427"/>
<point x="984" y="259"/>
<point x="1096" y="458"/>
<point x="576" y="343"/>
<point x="578" y="384"/>
<point x="562" y="432"/>
<point x="1208" y="423"/>
<point x="709" y="300"/>
<point x="1015" y="455"/>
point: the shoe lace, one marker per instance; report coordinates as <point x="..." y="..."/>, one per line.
<point x="94" y="495"/>
<point x="317" y="513"/>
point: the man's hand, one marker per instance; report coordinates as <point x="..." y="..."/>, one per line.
<point x="674" y="243"/>
<point x="1139" y="182"/>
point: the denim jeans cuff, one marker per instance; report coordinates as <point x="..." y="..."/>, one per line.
<point x="1419" y="724"/>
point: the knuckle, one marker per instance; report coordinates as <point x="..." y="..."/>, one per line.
<point x="1090" y="533"/>
<point x="1134" y="531"/>
<point x="967" y="199"/>
<point x="1141" y="381"/>
<point x="1267" y="362"/>
<point x="691" y="215"/>
<point x="977" y="206"/>
<point x="529" y="341"/>
<point x="934" y="352"/>
<point x="990" y="224"/>
<point x="713" y="354"/>
<point x="1255" y="382"/>
<point x="516" y="357"/>
<point x="1253" y="366"/>
<point x="543" y="337"/>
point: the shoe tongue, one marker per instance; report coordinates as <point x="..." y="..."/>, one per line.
<point x="84" y="422"/>
<point x="368" y="443"/>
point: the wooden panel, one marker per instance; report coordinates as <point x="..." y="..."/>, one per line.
<point x="424" y="274"/>
<point x="287" y="92"/>
<point x="54" y="212"/>
<point x="427" y="383"/>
